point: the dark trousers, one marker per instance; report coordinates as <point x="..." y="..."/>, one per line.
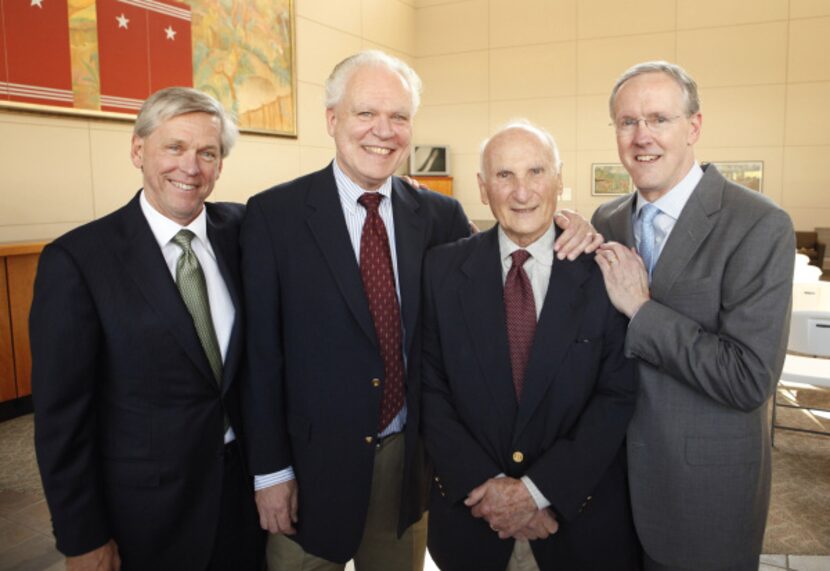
<point x="240" y="542"/>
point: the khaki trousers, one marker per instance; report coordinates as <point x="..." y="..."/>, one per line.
<point x="379" y="549"/>
<point x="522" y="558"/>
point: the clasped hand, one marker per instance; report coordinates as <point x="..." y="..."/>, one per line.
<point x="506" y="504"/>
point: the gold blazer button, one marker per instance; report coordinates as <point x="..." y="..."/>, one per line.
<point x="518" y="457"/>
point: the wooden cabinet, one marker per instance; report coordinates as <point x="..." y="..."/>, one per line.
<point x="442" y="184"/>
<point x="18" y="264"/>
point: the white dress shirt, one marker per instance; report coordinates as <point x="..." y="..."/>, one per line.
<point x="222" y="310"/>
<point x="671" y="205"/>
<point x="537" y="268"/>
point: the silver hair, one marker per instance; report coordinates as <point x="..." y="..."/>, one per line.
<point x="171" y="102"/>
<point x="525" y="125"/>
<point x="342" y="72"/>
<point x="677" y="73"/>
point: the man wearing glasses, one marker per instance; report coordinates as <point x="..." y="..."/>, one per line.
<point x="708" y="292"/>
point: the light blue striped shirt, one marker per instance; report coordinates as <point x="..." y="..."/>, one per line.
<point x="355" y="216"/>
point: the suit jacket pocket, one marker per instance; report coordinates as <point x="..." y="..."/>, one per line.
<point x="721" y="451"/>
<point x="133" y="473"/>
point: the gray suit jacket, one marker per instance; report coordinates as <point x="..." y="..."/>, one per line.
<point x="710" y="346"/>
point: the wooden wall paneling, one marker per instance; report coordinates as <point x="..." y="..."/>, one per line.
<point x="21" y="275"/>
<point x="8" y="388"/>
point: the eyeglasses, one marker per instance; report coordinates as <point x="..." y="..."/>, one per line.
<point x="655" y="123"/>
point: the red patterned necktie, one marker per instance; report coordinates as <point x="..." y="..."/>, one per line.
<point x="379" y="285"/>
<point x="520" y="310"/>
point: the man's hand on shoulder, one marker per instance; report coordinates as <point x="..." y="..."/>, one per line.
<point x="277" y="506"/>
<point x="626" y="279"/>
<point x="104" y="558"/>
<point x="577" y="237"/>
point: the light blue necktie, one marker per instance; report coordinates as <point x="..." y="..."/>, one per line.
<point x="647" y="245"/>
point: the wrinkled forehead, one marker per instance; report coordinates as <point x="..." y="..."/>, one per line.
<point x="517" y="147"/>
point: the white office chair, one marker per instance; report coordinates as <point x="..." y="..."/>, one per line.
<point x="811" y="295"/>
<point x="810" y="332"/>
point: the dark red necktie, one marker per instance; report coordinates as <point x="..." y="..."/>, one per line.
<point x="379" y="285"/>
<point x="520" y="310"/>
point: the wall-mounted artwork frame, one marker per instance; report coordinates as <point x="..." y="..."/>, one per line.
<point x="101" y="59"/>
<point x="429" y="160"/>
<point x="746" y="173"/>
<point x="610" y="179"/>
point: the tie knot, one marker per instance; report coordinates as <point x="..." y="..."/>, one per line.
<point x="370" y="200"/>
<point x="183" y="238"/>
<point x="520" y="257"/>
<point x="648" y="212"/>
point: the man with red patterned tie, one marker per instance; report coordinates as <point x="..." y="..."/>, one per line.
<point x="526" y="391"/>
<point x="332" y="277"/>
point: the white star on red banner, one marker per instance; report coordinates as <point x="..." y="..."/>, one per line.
<point x="171" y="33"/>
<point x="123" y="21"/>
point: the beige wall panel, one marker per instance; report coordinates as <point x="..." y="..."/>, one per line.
<point x="601" y="18"/>
<point x="35" y="232"/>
<point x="389" y="23"/>
<point x="319" y="49"/>
<point x="451" y="28"/>
<point x="45" y="171"/>
<point x="808" y="114"/>
<point x="455" y="78"/>
<point x="428" y="3"/>
<point x="805" y="177"/>
<point x="808" y="8"/>
<point x="593" y="129"/>
<point x="809" y="53"/>
<point x="809" y="219"/>
<point x="600" y="62"/>
<point x="462" y="127"/>
<point x="522" y="22"/>
<point x="114" y="178"/>
<point x="570" y="171"/>
<point x="772" y="157"/>
<point x="714" y="13"/>
<point x="314" y="158"/>
<point x="465" y="186"/>
<point x="408" y="58"/>
<point x="547" y="70"/>
<point x="311" y="116"/>
<point x="257" y="163"/>
<point x="556" y="114"/>
<point x="737" y="55"/>
<point x="341" y="15"/>
<point x="743" y="116"/>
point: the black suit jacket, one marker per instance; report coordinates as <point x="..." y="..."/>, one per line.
<point x="128" y="416"/>
<point x="308" y="399"/>
<point x="567" y="432"/>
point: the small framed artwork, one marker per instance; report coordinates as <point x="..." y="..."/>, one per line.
<point x="746" y="173"/>
<point x="610" y="179"/>
<point x="429" y="160"/>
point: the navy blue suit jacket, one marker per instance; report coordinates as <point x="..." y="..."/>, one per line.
<point x="567" y="431"/>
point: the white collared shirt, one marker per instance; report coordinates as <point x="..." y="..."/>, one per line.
<point x="537" y="268"/>
<point x="222" y="310"/>
<point x="671" y="205"/>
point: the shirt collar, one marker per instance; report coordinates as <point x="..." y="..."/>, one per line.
<point x="673" y="201"/>
<point x="541" y="250"/>
<point x="350" y="191"/>
<point x="165" y="229"/>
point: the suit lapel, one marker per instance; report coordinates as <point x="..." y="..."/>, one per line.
<point x="620" y="221"/>
<point x="225" y="247"/>
<point x="555" y="333"/>
<point x="409" y="244"/>
<point x="142" y="257"/>
<point x="328" y="226"/>
<point x="482" y="303"/>
<point x="690" y="230"/>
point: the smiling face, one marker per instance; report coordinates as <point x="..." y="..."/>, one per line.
<point x="372" y="125"/>
<point x="181" y="161"/>
<point x="656" y="161"/>
<point x="521" y="184"/>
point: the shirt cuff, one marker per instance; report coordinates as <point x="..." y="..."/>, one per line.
<point x="268" y="480"/>
<point x="538" y="498"/>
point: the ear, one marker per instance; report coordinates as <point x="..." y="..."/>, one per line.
<point x="331" y="121"/>
<point x="137" y="151"/>
<point x="695" y="123"/>
<point x="482" y="188"/>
